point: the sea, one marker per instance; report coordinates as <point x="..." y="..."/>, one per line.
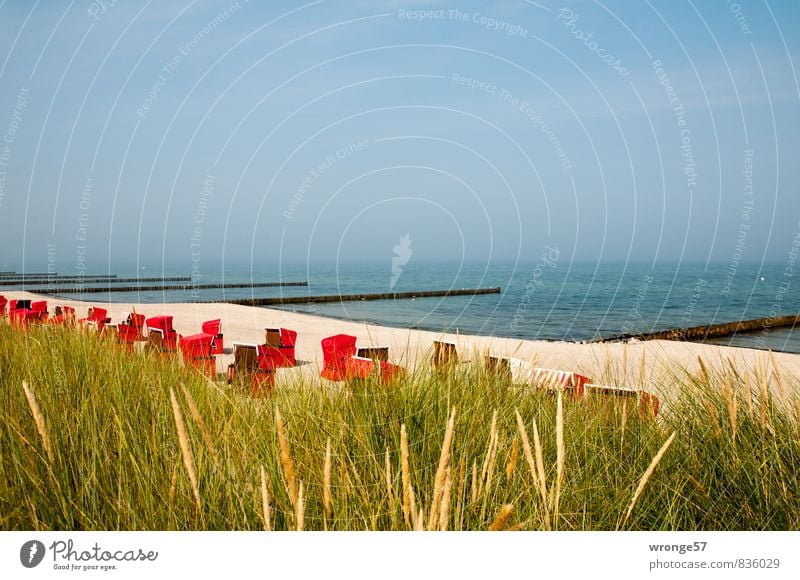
<point x="546" y="299"/>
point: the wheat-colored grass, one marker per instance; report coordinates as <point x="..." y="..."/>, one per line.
<point x="286" y="458"/>
<point x="444" y="460"/>
<point x="198" y="418"/>
<point x="501" y="520"/>
<point x="646" y="477"/>
<point x="38" y="418"/>
<point x="186" y="450"/>
<point x="265" y="508"/>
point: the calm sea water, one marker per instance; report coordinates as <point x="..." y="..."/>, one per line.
<point x="547" y="299"/>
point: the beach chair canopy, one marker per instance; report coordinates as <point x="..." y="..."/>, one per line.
<point x="337" y="351"/>
<point x="162" y="323"/>
<point x="212" y="327"/>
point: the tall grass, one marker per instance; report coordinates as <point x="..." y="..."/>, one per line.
<point x="97" y="438"/>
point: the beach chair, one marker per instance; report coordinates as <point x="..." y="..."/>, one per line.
<point x="284" y="340"/>
<point x="214" y="328"/>
<point x="648" y="403"/>
<point x="96" y="318"/>
<point x="40" y="307"/>
<point x="3" y="302"/>
<point x="249" y="367"/>
<point x="23" y="313"/>
<point x="445" y="355"/>
<point x="498" y="366"/>
<point x="161" y="337"/>
<point x="342" y="363"/>
<point x="522" y="372"/>
<point x="196" y="351"/>
<point x="63" y="315"/>
<point x="131" y="329"/>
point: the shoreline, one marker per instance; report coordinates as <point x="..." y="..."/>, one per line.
<point x="647" y="364"/>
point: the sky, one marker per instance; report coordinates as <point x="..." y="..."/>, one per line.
<point x="200" y="131"/>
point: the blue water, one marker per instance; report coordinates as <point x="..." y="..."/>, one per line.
<point x="547" y="299"/>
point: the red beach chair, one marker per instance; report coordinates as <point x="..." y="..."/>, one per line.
<point x="340" y="362"/>
<point x="280" y="342"/>
<point x="63" y="315"/>
<point x="245" y="367"/>
<point x="161" y="337"/>
<point x="196" y="351"/>
<point x="41" y="308"/>
<point x="132" y="329"/>
<point x="214" y="328"/>
<point x="3" y="302"/>
<point x="96" y="318"/>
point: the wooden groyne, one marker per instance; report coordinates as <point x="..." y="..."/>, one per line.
<point x="699" y="333"/>
<point x="82" y="280"/>
<point x="285" y="300"/>
<point x="37" y="277"/>
<point x="180" y="288"/>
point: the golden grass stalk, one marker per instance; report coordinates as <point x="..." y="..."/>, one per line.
<point x="444" y="507"/>
<point x="474" y="487"/>
<point x="733" y="408"/>
<point x="444" y="459"/>
<point x="763" y="401"/>
<point x="646" y="476"/>
<point x="265" y="509"/>
<point x="537" y="445"/>
<point x="419" y="524"/>
<point x="198" y="418"/>
<point x="501" y="520"/>
<point x="462" y="478"/>
<point x="186" y="450"/>
<point x="526" y="447"/>
<point x="748" y="391"/>
<point x="776" y="372"/>
<point x="511" y="465"/>
<point x="300" y="509"/>
<point x="38" y="418"/>
<point x="492" y="434"/>
<point x="387" y="469"/>
<point x="326" y="485"/>
<point x="624" y="421"/>
<point x="173" y="484"/>
<point x="286" y="459"/>
<point x="559" y="454"/>
<point x="405" y="472"/>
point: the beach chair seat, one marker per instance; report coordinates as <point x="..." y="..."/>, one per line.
<point x="63" y="315"/>
<point x="445" y="354"/>
<point x="131" y="329"/>
<point x="214" y="328"/>
<point x="648" y="403"/>
<point x="3" y="303"/>
<point x="522" y="372"/>
<point x="284" y="340"/>
<point x="342" y="363"/>
<point x="252" y="365"/>
<point x="161" y="337"/>
<point x="196" y="352"/>
<point x="96" y="318"/>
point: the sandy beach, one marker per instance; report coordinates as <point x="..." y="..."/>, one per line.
<point x="615" y="362"/>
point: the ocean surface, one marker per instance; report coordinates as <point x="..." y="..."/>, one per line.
<point x="546" y="299"/>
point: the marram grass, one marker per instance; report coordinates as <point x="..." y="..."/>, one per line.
<point x="94" y="438"/>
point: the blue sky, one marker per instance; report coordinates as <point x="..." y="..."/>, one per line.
<point x="166" y="131"/>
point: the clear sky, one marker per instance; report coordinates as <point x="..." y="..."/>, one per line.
<point x="264" y="131"/>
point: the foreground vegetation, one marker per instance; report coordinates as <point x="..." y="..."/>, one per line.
<point x="96" y="438"/>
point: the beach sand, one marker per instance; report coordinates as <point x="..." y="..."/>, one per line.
<point x="614" y="363"/>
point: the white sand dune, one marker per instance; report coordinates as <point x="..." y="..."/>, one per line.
<point x="612" y="362"/>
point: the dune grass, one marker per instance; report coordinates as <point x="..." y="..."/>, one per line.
<point x="94" y="438"/>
